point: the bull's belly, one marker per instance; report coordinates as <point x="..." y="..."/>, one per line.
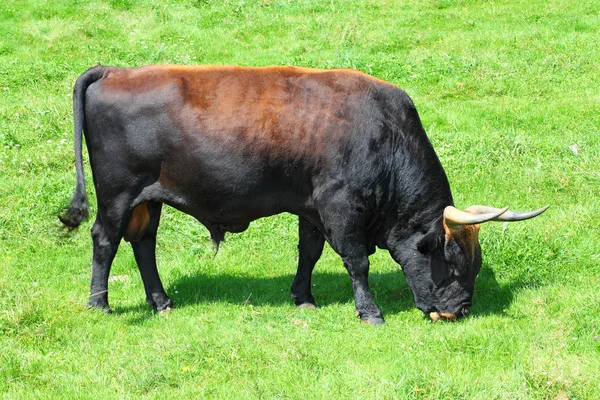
<point x="215" y="203"/>
<point x="234" y="210"/>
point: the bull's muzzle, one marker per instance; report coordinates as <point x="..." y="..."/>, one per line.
<point x="464" y="311"/>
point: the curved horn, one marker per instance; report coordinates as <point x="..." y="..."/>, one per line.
<point x="454" y="216"/>
<point x="508" y="215"/>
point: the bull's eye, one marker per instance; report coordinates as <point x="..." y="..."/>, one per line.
<point x="456" y="270"/>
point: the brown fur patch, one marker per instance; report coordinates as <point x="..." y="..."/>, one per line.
<point x="449" y="316"/>
<point x="138" y="223"/>
<point x="276" y="111"/>
<point x="436" y="316"/>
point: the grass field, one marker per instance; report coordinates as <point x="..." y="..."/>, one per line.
<point x="509" y="93"/>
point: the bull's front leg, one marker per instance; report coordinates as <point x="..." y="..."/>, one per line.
<point x="345" y="232"/>
<point x="366" y="309"/>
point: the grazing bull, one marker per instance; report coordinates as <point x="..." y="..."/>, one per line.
<point x="342" y="150"/>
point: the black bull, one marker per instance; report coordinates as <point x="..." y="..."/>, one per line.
<point x="344" y="151"/>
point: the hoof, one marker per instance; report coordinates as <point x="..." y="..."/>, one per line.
<point x="102" y="306"/>
<point x="304" y="301"/>
<point x="376" y="319"/>
<point x="165" y="307"/>
<point x="100" y="301"/>
<point x="160" y="302"/>
<point x="372" y="321"/>
<point x="309" y="306"/>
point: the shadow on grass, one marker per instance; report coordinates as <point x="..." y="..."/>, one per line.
<point x="390" y="290"/>
<point x="491" y="298"/>
<point x="140" y="313"/>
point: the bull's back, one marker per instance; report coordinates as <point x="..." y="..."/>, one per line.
<point x="216" y="133"/>
<point x="285" y="109"/>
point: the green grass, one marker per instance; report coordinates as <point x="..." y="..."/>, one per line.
<point x="503" y="89"/>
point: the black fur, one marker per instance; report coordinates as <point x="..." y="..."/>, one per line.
<point x="345" y="152"/>
<point x="78" y="208"/>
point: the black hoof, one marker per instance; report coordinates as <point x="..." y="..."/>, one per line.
<point x="160" y="302"/>
<point x="100" y="304"/>
<point x="376" y="319"/>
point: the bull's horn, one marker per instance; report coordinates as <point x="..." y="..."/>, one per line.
<point x="454" y="216"/>
<point x="508" y="215"/>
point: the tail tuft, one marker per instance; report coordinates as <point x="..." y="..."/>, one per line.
<point x="76" y="212"/>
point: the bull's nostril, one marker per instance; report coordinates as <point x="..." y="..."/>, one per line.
<point x="465" y="309"/>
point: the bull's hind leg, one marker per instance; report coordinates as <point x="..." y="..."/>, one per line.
<point x="310" y="247"/>
<point x="106" y="235"/>
<point x="141" y="232"/>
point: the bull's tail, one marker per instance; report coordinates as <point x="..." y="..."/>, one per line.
<point x="77" y="210"/>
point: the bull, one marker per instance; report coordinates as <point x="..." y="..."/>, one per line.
<point x="344" y="151"/>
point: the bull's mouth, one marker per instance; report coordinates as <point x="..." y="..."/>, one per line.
<point x="437" y="316"/>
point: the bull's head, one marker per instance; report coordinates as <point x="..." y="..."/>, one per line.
<point x="454" y="258"/>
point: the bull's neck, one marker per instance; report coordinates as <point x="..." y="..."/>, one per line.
<point x="421" y="191"/>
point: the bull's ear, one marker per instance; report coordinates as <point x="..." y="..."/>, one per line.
<point x="423" y="245"/>
<point x="432" y="247"/>
<point x="428" y="243"/>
